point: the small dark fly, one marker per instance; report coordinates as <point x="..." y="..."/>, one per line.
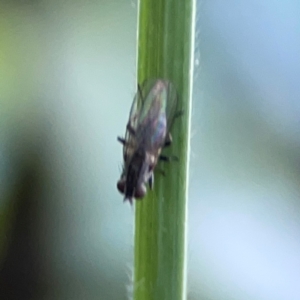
<point x="152" y="113"/>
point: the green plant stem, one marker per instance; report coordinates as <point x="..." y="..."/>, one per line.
<point x="165" y="47"/>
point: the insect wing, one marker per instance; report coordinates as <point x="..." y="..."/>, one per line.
<point x="170" y="101"/>
<point x="172" y="104"/>
<point x="130" y="139"/>
<point x="152" y="122"/>
<point x="160" y="101"/>
<point x="134" y="113"/>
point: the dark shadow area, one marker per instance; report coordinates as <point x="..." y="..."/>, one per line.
<point x="20" y="270"/>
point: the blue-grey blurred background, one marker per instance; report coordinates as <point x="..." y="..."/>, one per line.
<point x="67" y="79"/>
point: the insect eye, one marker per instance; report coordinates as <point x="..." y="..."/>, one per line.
<point x="121" y="186"/>
<point x="140" y="192"/>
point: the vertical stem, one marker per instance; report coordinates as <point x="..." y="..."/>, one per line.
<point x="165" y="50"/>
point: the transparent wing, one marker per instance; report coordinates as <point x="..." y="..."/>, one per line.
<point x="165" y="95"/>
<point x="172" y="104"/>
<point x="158" y="107"/>
<point x="151" y="116"/>
<point x="132" y="126"/>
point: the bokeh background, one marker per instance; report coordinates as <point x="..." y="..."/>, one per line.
<point x="67" y="79"/>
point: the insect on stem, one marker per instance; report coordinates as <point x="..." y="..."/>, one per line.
<point x="152" y="113"/>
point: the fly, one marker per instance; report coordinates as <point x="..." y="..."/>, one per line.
<point x="148" y="130"/>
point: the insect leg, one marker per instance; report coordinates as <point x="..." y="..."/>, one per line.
<point x="178" y="114"/>
<point x="130" y="129"/>
<point x="168" y="140"/>
<point x="121" y="140"/>
<point x="162" y="172"/>
<point x="168" y="158"/>
<point x="151" y="181"/>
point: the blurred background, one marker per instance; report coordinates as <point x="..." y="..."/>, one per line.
<point x="67" y="79"/>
